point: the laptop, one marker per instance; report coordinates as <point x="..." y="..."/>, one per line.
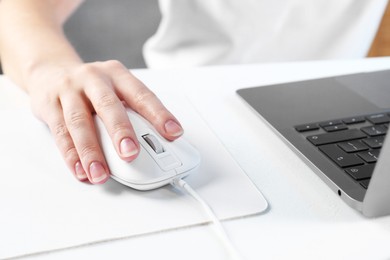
<point x="338" y="126"/>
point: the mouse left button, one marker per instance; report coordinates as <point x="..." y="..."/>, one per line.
<point x="153" y="142"/>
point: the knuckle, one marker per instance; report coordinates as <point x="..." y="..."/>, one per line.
<point x="70" y="155"/>
<point x="88" y="151"/>
<point x="76" y="119"/>
<point x="87" y="69"/>
<point x="114" y="64"/>
<point x="60" y="130"/>
<point x="118" y="128"/>
<point x="106" y="100"/>
<point x="143" y="97"/>
<point x="66" y="146"/>
<point x="64" y="81"/>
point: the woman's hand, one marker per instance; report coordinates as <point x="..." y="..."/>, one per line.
<point x="65" y="92"/>
<point x="66" y="96"/>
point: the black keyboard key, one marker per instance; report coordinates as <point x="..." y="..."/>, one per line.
<point x="307" y="127"/>
<point x="369" y="156"/>
<point x="365" y="183"/>
<point x="353" y="146"/>
<point x="374" y="142"/>
<point x="374" y="130"/>
<point x="334" y="128"/>
<point x="340" y="157"/>
<point x="379" y="119"/>
<point x="336" y="137"/>
<point x="330" y="123"/>
<point x="354" y="120"/>
<point x="361" y="172"/>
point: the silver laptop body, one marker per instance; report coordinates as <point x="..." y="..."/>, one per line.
<point x="286" y="106"/>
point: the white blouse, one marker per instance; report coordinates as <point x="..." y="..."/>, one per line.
<point x="209" y="32"/>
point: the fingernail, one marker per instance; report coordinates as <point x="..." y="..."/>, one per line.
<point x="173" y="129"/>
<point x="79" y="170"/>
<point x="98" y="173"/>
<point x="128" y="148"/>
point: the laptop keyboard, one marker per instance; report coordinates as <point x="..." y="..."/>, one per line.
<point x="353" y="144"/>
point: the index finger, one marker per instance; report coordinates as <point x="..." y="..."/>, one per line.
<point x="113" y="115"/>
<point x="145" y="102"/>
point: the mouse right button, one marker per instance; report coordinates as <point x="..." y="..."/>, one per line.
<point x="168" y="162"/>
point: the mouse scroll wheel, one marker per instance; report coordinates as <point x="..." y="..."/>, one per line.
<point x="153" y="143"/>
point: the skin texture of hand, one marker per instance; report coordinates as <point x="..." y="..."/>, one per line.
<point x="65" y="98"/>
<point x="65" y="92"/>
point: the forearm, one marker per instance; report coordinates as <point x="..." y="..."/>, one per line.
<point x="31" y="36"/>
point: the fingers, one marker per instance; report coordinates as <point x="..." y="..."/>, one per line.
<point x="64" y="142"/>
<point x="113" y="114"/>
<point x="67" y="106"/>
<point x="146" y="103"/>
<point x="79" y="123"/>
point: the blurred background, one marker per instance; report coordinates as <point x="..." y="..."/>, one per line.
<point x="115" y="29"/>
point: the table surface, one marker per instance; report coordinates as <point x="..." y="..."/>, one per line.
<point x="305" y="220"/>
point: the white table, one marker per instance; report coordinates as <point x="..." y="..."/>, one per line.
<point x="306" y="220"/>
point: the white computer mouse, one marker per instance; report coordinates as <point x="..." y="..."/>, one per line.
<point x="159" y="162"/>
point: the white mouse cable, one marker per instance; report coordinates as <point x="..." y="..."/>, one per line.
<point x="184" y="186"/>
